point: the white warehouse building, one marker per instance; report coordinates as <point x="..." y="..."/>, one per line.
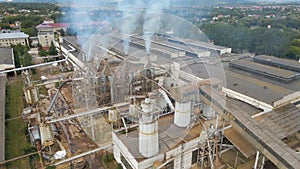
<point x="13" y="38"/>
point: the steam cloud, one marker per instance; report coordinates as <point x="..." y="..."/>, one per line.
<point x="129" y="8"/>
<point x="81" y="17"/>
<point x="152" y="20"/>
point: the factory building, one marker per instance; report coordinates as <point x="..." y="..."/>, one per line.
<point x="278" y="62"/>
<point x="164" y="102"/>
<point x="202" y="45"/>
<point x="172" y="118"/>
<point x="47" y="30"/>
<point x="8" y="39"/>
<point x="264" y="70"/>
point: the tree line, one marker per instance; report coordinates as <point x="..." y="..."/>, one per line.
<point x="259" y="40"/>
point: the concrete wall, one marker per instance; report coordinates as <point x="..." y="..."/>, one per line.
<point x="181" y="155"/>
<point x="148" y="163"/>
<point x="119" y="148"/>
<point x="45" y="38"/>
<point x="294" y="97"/>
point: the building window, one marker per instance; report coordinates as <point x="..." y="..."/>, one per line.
<point x="194" y="156"/>
<point x="125" y="162"/>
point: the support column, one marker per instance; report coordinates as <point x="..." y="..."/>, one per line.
<point x="262" y="162"/>
<point x="93" y="130"/>
<point x="256" y="160"/>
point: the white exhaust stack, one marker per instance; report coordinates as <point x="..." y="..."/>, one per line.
<point x="148" y="129"/>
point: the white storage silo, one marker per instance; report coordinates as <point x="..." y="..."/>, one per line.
<point x="182" y="117"/>
<point x="148" y="129"/>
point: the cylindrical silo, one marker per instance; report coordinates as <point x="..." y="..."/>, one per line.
<point x="148" y="129"/>
<point x="182" y="117"/>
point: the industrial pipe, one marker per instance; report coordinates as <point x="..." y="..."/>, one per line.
<point x="32" y="66"/>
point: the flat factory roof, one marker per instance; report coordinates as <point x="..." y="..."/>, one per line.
<point x="273" y="71"/>
<point x="199" y="44"/>
<point x="13" y="35"/>
<point x="170" y="136"/>
<point x="6" y="58"/>
<point x="276" y="60"/>
<point x="252" y="86"/>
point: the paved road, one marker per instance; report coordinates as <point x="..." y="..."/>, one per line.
<point x="2" y="117"/>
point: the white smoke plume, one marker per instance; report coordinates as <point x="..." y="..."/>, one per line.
<point x="152" y="20"/>
<point x="129" y="8"/>
<point x="80" y="16"/>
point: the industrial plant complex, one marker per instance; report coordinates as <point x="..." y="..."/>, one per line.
<point x="162" y="102"/>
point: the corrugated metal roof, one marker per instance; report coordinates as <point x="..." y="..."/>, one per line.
<point x="13" y="35"/>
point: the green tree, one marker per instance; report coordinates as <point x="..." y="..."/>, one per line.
<point x="21" y="55"/>
<point x="4" y="26"/>
<point x="27" y="59"/>
<point x="43" y="53"/>
<point x="260" y="40"/>
<point x="52" y="49"/>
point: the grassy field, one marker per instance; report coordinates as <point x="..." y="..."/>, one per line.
<point x="16" y="140"/>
